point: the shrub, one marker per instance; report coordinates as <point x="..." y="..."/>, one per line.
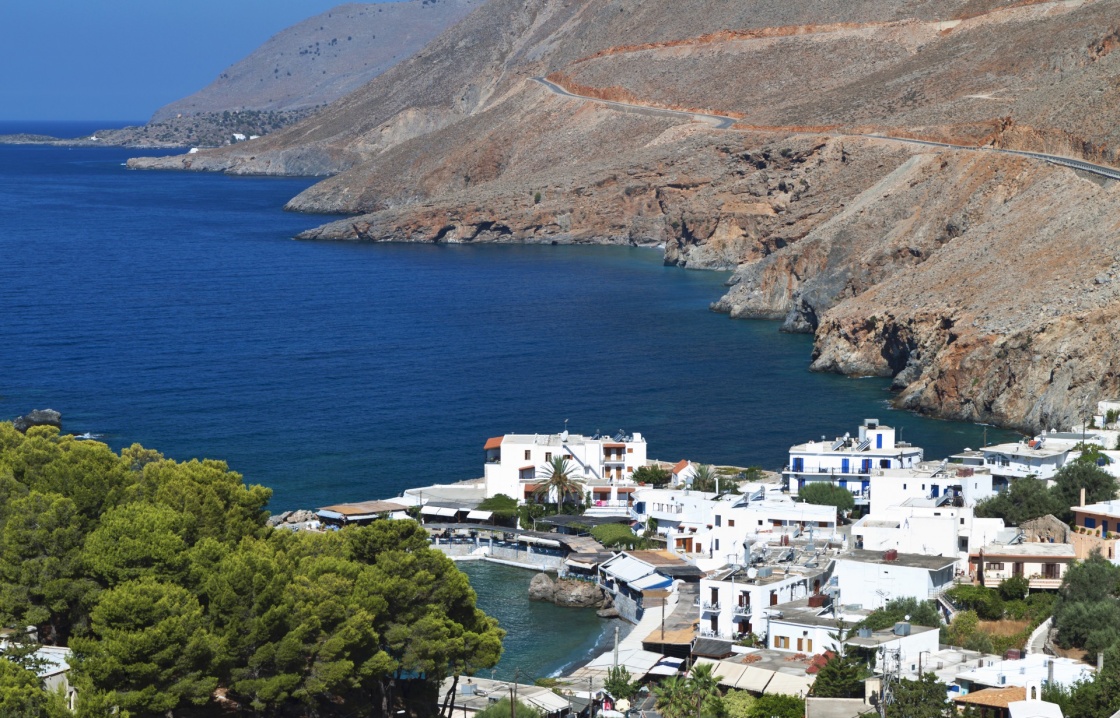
<point x="826" y="494"/>
<point x="616" y="535"/>
<point x="1014" y="588"/>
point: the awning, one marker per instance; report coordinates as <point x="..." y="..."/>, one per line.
<point x="539" y="541"/>
<point x="548" y="701"/>
<point x="580" y="564"/>
<point x="726" y="672"/>
<point x="654" y="580"/>
<point x="754" y="679"/>
<point x="627" y="569"/>
<point x="667" y="667"/>
<point x="430" y="510"/>
<point x="637" y="662"/>
<point x="480" y="515"/>
<point x="526" y="468"/>
<point x="789" y="685"/>
<point x="493" y="443"/>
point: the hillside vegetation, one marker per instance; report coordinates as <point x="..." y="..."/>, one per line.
<point x="176" y="599"/>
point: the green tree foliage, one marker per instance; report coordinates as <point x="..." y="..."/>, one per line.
<point x="618" y="683"/>
<point x="738" y="704"/>
<point x="776" y="705"/>
<point x="921" y="613"/>
<point x="986" y="602"/>
<point x="166" y="583"/>
<point x="696" y="696"/>
<point x="841" y="677"/>
<point x="504" y="508"/>
<point x="150" y="650"/>
<point x="22" y="694"/>
<point x="501" y="710"/>
<point x="1014" y="588"/>
<point x="656" y="476"/>
<point x="1099" y="485"/>
<point x="823" y="493"/>
<point x="1025" y="499"/>
<point x="1087" y="611"/>
<point x="1028" y="498"/>
<point x="616" y="535"/>
<point x="924" y="698"/>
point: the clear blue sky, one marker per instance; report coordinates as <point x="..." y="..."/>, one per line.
<point x="123" y="59"/>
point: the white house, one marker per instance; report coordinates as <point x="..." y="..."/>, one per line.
<point x="848" y="461"/>
<point x="738" y="599"/>
<point x="931" y="527"/>
<point x="1040" y="457"/>
<point x="700" y="523"/>
<point x="515" y="463"/>
<point x="929" y="480"/>
<point x="870" y="579"/>
<point x="1036" y="668"/>
<point x="814" y="630"/>
<point x="1043" y="564"/>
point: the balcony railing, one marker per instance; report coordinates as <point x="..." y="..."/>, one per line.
<point x="711" y="606"/>
<point x="743" y="610"/>
<point x="1047" y="583"/>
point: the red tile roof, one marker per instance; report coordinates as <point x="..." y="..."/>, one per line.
<point x="493" y="443"/>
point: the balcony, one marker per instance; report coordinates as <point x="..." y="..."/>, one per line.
<point x="743" y="610"/>
<point x="709" y="606"/>
<point x="1045" y="583"/>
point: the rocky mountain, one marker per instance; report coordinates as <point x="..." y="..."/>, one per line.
<point x="982" y="282"/>
<point x="287" y="79"/>
<point x="323" y="58"/>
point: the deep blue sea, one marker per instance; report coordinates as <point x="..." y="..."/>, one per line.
<point x="175" y="310"/>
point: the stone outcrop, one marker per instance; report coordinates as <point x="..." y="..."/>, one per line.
<point x="38" y="417"/>
<point x="565" y="592"/>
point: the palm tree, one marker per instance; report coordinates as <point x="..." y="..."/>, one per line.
<point x="703" y="477"/>
<point x="672" y="697"/>
<point x="703" y="686"/>
<point x="560" y="481"/>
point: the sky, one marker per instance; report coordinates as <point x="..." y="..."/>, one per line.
<point x="123" y="59"/>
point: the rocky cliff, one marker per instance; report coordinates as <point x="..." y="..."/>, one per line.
<point x="982" y="282"/>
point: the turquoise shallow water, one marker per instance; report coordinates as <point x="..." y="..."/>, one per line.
<point x="543" y="639"/>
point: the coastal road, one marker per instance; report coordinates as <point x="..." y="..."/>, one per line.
<point x="724" y="122"/>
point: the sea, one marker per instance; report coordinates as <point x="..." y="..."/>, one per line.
<point x="176" y="311"/>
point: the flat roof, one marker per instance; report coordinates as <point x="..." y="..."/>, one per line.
<point x="1032" y="548"/>
<point x="1017" y="449"/>
<point x="558" y="440"/>
<point x="911" y="560"/>
<point x="1108" y="508"/>
<point x="364" y="507"/>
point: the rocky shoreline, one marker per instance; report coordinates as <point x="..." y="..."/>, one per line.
<point x="571" y="593"/>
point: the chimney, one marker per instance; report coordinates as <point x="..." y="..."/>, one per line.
<point x="1050" y="672"/>
<point x="1082" y="496"/>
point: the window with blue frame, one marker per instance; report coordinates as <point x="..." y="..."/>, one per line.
<point x="1090" y="523"/>
<point x="878" y="441"/>
<point x="865" y="466"/>
<point x="799" y="464"/>
<point x="844" y="466"/>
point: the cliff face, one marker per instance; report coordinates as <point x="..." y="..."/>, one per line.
<point x="980" y="281"/>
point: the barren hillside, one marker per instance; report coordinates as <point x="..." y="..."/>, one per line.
<point x="931" y="265"/>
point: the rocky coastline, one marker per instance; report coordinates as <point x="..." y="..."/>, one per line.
<point x="571" y="593"/>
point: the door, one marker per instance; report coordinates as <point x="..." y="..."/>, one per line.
<point x="715" y="624"/>
<point x="845" y="465"/>
<point x="773" y="598"/>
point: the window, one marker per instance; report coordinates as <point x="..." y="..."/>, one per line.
<point x="718" y="517"/>
<point x="799" y="464"/>
<point x="548" y="456"/>
<point x="716" y="546"/>
<point x="629" y="450"/>
<point x="904" y="487"/>
<point x="962" y="522"/>
<point x="781" y="641"/>
<point x="993" y="566"/>
<point x="731" y="523"/>
<point x="884" y="463"/>
<point x="528" y="454"/>
<point x="568" y="457"/>
<point x="878" y="441"/>
<point x="804" y="645"/>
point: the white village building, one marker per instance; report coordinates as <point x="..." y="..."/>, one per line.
<point x="930" y="527"/>
<point x="516" y="463"/>
<point x="738" y="599"/>
<point x="848" y="461"/>
<point x="964" y="485"/>
<point x="870" y="579"/>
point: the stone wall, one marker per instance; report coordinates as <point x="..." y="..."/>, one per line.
<point x="540" y="559"/>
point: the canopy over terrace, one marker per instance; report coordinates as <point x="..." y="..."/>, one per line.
<point x="637" y="661"/>
<point x="747" y="677"/>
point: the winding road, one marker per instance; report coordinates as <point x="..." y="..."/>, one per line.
<point x="723" y="122"/>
